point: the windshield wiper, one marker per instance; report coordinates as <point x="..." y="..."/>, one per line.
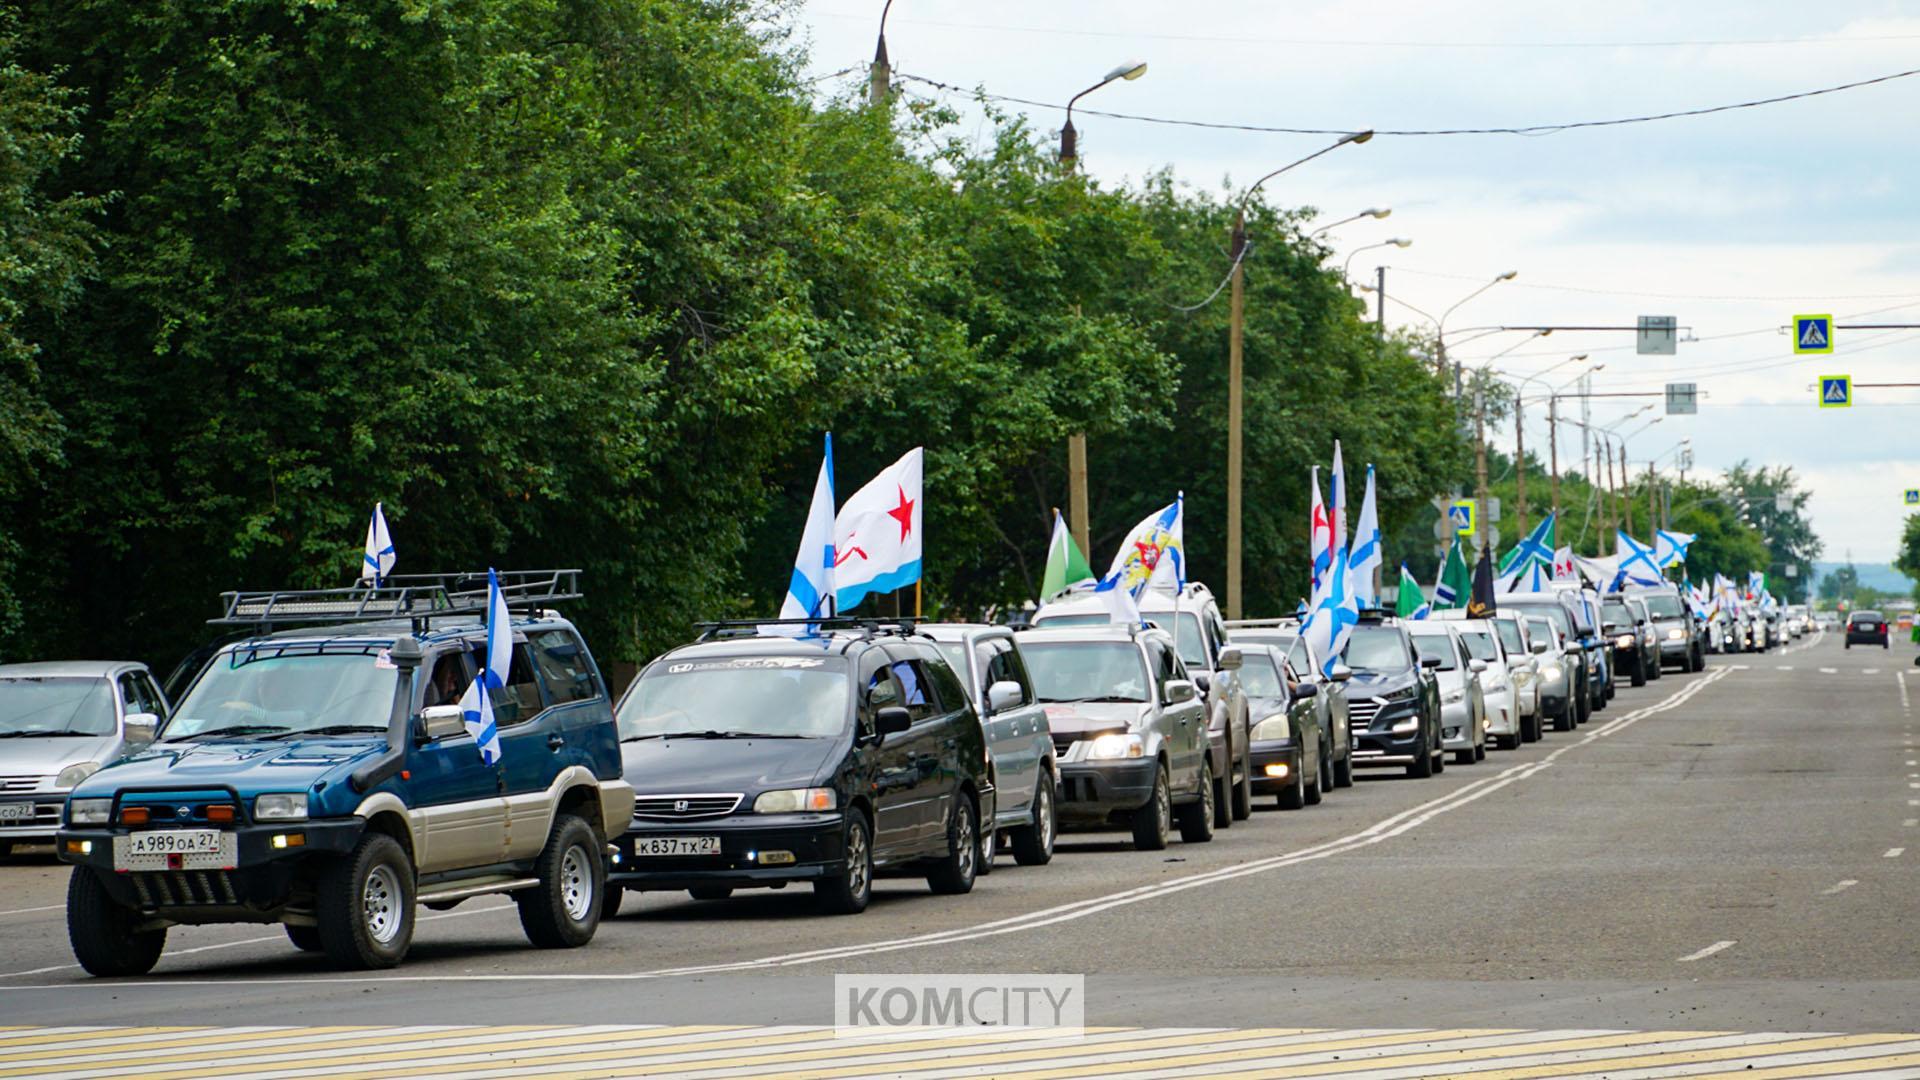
<point x="333" y="729"/>
<point x="235" y="730"/>
<point x="1113" y="699"/>
<point x="44" y="733"/>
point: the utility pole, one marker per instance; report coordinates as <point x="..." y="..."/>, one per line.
<point x="1553" y="448"/>
<point x="1077" y="490"/>
<point x="880" y="75"/>
<point x="1653" y="496"/>
<point x="1519" y="466"/>
<point x="1380" y="303"/>
<point x="1626" y="490"/>
<point x="1236" y="319"/>
<point x="1603" y="488"/>
<point x="1480" y="463"/>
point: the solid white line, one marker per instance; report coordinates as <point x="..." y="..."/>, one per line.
<point x="31" y="910"/>
<point x="1901" y="677"/>
<point x="1895" y="852"/>
<point x="1839" y="888"/>
<point x="1706" y="952"/>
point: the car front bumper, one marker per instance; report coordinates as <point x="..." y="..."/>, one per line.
<point x="1378" y="745"/>
<point x="41" y="820"/>
<point x="756" y="851"/>
<point x="1456" y="726"/>
<point x="1091" y="792"/>
<point x="254" y="889"/>
<point x="1263" y="754"/>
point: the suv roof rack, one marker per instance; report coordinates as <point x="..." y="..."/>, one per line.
<point x="1285" y="622"/>
<point x="867" y="625"/>
<point x="417" y="597"/>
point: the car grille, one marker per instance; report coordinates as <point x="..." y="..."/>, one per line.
<point x="1063" y="743"/>
<point x="1361" y="713"/>
<point x="685" y="807"/>
<point x="184" y="888"/>
<point x="46" y="815"/>
<point x="15" y="784"/>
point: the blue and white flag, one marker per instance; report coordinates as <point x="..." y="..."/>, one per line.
<point x="1756" y="583"/>
<point x="1529" y="567"/>
<point x="1335" y="614"/>
<point x="1365" y="555"/>
<point x="379" y="558"/>
<point x="1338" y="490"/>
<point x="1670" y="547"/>
<point x="1634" y="564"/>
<point x="877" y="534"/>
<point x="1154" y="554"/>
<point x="476" y="705"/>
<point x="1319" y="540"/>
<point x="810" y="590"/>
<point x="1122" y="607"/>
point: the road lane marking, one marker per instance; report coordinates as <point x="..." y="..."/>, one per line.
<point x="1783" y="667"/>
<point x="1717" y="946"/>
<point x="1895" y="852"/>
<point x="1838" y="887"/>
<point x="1910" y="822"/>
<point x="1829" y="671"/>
<point x="32" y="910"/>
<point x="1870" y="671"/>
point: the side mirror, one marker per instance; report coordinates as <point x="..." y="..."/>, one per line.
<point x="1539" y="647"/>
<point x="1231" y="658"/>
<point x="1306" y="689"/>
<point x="1477" y="666"/>
<point x="892" y="720"/>
<point x="1178" y="691"/>
<point x="441" y="722"/>
<point x="140" y="728"/>
<point x="1341" y="672"/>
<point x="1203" y="681"/>
<point x="1004" y="695"/>
<point x="1431" y="663"/>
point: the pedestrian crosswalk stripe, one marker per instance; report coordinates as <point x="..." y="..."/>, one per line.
<point x="712" y="1052"/>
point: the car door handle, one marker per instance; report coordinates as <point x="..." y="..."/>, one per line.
<point x="556" y="740"/>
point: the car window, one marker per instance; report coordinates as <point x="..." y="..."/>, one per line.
<point x="1617" y="613"/>
<point x="916" y="692"/>
<point x="153" y="693"/>
<point x="1299" y="657"/>
<point x="56" y="706"/>
<point x="800" y="697"/>
<point x="519" y="700"/>
<point x="1509" y="631"/>
<point x="1166" y="666"/>
<point x="1260" y="678"/>
<point x="286" y="692"/>
<point x="138" y="697"/>
<point x="1436" y="647"/>
<point x="562" y="664"/>
<point x="997" y="661"/>
<point x="1377" y="649"/>
<point x="1480" y="645"/>
<point x="1086" y="670"/>
<point x="1552" y="613"/>
<point x="1016" y="665"/>
<point x="1193" y="647"/>
<point x="1664" y="606"/>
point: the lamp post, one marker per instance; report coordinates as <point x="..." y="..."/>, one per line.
<point x="1398" y="241"/>
<point x="1077" y="514"/>
<point x="1553" y="431"/>
<point x="1626" y="480"/>
<point x="1440" y="324"/>
<point x="1236" y="327"/>
<point x="880" y="75"/>
<point x="1520" y="439"/>
<point x="1375" y="212"/>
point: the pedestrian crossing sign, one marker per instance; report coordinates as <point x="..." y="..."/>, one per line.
<point x="1812" y="334"/>
<point x="1836" y="391"/>
<point x="1461" y="514"/>
<point x="1913" y="496"/>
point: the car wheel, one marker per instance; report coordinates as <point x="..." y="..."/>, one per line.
<point x="106" y="938"/>
<point x="563" y="911"/>
<point x="305" y="938"/>
<point x="1315" y="785"/>
<point x="610" y="901"/>
<point x="363" y="903"/>
<point x="1343" y="769"/>
<point x="1033" y="844"/>
<point x="954" y="874"/>
<point x="1439" y="753"/>
<point x="1294" y="795"/>
<point x="1221" y="801"/>
<point x="1422" y="765"/>
<point x="1153" y="821"/>
<point x="1506" y="742"/>
<point x="1326" y="766"/>
<point x="848" y="893"/>
<point x="1197" y="818"/>
<point x="1656" y="670"/>
<point x="710" y="892"/>
<point x="1639" y="675"/>
<point x="1464" y="757"/>
<point x="989" y="844"/>
<point x="1243" y="792"/>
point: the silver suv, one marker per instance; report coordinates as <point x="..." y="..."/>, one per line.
<point x="1129" y="730"/>
<point x="61" y="722"/>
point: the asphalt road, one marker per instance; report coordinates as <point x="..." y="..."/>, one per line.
<point x="1733" y="851"/>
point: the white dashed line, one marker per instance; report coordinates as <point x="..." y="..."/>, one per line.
<point x="1894" y="852"/>
<point x="1839" y="888"/>
<point x="1871" y="671"/>
<point x="1829" y="671"/>
<point x="1910" y="822"/>
<point x="1706" y="952"/>
<point x="1783" y="667"/>
<point x="31" y="910"/>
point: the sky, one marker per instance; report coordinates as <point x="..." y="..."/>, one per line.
<point x="1731" y="222"/>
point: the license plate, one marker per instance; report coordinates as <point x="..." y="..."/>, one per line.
<point x="176" y="849"/>
<point x="16" y="811"/>
<point x="677" y="845"/>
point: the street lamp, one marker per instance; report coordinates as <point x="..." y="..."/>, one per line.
<point x="880" y="75"/>
<point x="1376" y="212"/>
<point x="1520" y="434"/>
<point x="1398" y="241"/>
<point x="1236" y="329"/>
<point x="1078" y="517"/>
<point x="1128" y="70"/>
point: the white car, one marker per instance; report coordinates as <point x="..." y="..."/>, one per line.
<point x="1503" y="712"/>
<point x="1463" y="704"/>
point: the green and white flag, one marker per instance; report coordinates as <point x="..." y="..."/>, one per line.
<point x="1066" y="567"/>
<point x="1412" y="603"/>
<point x="1450" y="590"/>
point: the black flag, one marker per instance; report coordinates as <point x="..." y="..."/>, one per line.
<point x="1480" y="603"/>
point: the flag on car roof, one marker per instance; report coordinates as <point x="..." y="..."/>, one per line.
<point x="378" y="561"/>
<point x="1529" y="566"/>
<point x="1670" y="547"/>
<point x="1450" y="589"/>
<point x="1635" y="564"/>
<point x="1365" y="555"/>
<point x="810" y="589"/>
<point x="1066" y="567"/>
<point x="1564" y="566"/>
<point x="1339" y="492"/>
<point x="876" y="537"/>
<point x="1481" y="604"/>
<point x="1412" y="602"/>
<point x="1154" y="554"/>
<point x="1319" y="539"/>
<point x="476" y="705"/>
<point x="1334" y="615"/>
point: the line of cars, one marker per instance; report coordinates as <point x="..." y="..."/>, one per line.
<point x="320" y="769"/>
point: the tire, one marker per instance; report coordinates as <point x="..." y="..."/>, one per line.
<point x="305" y="938"/>
<point x="1326" y="767"/>
<point x="563" y="911"/>
<point x="1343" y="770"/>
<point x="848" y="893"/>
<point x="1221" y="802"/>
<point x="1639" y="677"/>
<point x="364" y="905"/>
<point x="1197" y="818"/>
<point x="1530" y="727"/>
<point x="1439" y="753"/>
<point x="710" y="892"/>
<point x="1656" y="670"/>
<point x="1565" y="720"/>
<point x="1422" y="765"/>
<point x="1294" y="795"/>
<point x="1699" y="659"/>
<point x="1316" y="788"/>
<point x="105" y="936"/>
<point x="955" y="872"/>
<point x="1507" y="742"/>
<point x="1033" y="844"/>
<point x="1480" y="752"/>
<point x="1464" y="757"/>
<point x="610" y="902"/>
<point x="6" y="848"/>
<point x="1242" y="793"/>
<point x="1153" y="821"/>
<point x="989" y="843"/>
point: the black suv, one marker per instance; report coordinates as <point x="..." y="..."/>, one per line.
<point x="1867" y="628"/>
<point x="1394" y="700"/>
<point x="764" y="758"/>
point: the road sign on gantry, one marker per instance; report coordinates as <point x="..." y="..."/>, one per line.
<point x="1836" y="391"/>
<point x="1812" y="334"/>
<point x="1460" y="514"/>
<point x="1913" y="496"/>
<point x="1658" y="335"/>
<point x="1682" y="398"/>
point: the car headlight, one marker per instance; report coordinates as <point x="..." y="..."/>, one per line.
<point x="1624" y="641"/>
<point x="1405" y="727"/>
<point x="1273" y="727"/>
<point x="1405" y="693"/>
<point x="281" y="807"/>
<point x="1550" y="671"/>
<point x="795" y="800"/>
<point x="1453" y="697"/>
<point x="1676" y="634"/>
<point x="72" y="775"/>
<point x="89" y="811"/>
<point x="1117" y="746"/>
<point x="1521" y="676"/>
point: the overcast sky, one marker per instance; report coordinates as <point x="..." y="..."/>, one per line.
<point x="1731" y="222"/>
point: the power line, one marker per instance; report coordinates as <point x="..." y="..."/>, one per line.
<point x="1666" y="296"/>
<point x="1531" y="130"/>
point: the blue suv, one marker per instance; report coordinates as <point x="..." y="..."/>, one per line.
<point x="318" y="774"/>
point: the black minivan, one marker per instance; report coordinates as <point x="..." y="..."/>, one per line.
<point x="760" y="759"/>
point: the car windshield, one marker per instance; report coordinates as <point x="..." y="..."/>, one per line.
<point x="1376" y="649"/>
<point x="1664" y="606"/>
<point x="1617" y="613"/>
<point x="1553" y="613"/>
<point x="1187" y="637"/>
<point x="1509" y="634"/>
<point x="1259" y="677"/>
<point x="790" y="696"/>
<point x="243" y="693"/>
<point x="1435" y="647"/>
<point x="55" y="706"/>
<point x="1480" y="645"/>
<point x="1085" y="670"/>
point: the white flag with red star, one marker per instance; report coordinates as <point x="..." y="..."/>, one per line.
<point x="876" y="537"/>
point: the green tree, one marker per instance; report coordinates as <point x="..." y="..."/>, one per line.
<point x="1908" y="560"/>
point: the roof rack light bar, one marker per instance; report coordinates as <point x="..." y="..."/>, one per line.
<point x="419" y="597"/>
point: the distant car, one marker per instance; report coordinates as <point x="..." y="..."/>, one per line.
<point x="62" y="721"/>
<point x="1020" y="753"/>
<point x="1396" y="700"/>
<point x="1290" y="747"/>
<point x="1331" y="701"/>
<point x="1501" y="715"/>
<point x="1556" y="672"/>
<point x="1674" y="627"/>
<point x="1622" y="628"/>
<point x="1129" y="729"/>
<point x="762" y="760"/>
<point x="1561" y="609"/>
<point x="1463" y="705"/>
<point x="1866" y="628"/>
